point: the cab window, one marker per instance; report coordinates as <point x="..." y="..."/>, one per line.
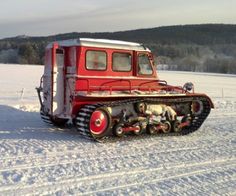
<point x="144" y="65"/>
<point x="96" y="60"/>
<point x="121" y="61"/>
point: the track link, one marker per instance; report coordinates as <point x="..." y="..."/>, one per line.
<point x="83" y="117"/>
<point x="82" y="120"/>
<point x="50" y="121"/>
<point x="46" y="118"/>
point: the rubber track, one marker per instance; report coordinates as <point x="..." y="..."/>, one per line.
<point x="46" y="118"/>
<point x="83" y="117"/>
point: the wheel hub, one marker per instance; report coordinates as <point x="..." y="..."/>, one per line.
<point x="119" y="130"/>
<point x="98" y="122"/>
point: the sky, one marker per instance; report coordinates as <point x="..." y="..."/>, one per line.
<point x="49" y="17"/>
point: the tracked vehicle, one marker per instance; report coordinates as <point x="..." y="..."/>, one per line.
<point x="110" y="88"/>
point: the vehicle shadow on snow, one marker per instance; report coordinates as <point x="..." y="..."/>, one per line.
<point x="19" y="124"/>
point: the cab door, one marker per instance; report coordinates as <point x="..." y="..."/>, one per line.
<point x="58" y="82"/>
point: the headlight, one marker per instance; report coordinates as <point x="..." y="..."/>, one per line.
<point x="188" y="86"/>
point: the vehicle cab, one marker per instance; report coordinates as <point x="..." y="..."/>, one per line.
<point x="88" y="70"/>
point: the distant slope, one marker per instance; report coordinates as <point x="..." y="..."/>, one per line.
<point x="194" y="34"/>
<point x="177" y="45"/>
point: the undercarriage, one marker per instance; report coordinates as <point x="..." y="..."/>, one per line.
<point x="166" y="116"/>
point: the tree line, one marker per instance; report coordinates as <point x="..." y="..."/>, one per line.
<point x="203" y="48"/>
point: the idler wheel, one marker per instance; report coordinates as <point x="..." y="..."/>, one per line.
<point x="197" y="107"/>
<point x="100" y="122"/>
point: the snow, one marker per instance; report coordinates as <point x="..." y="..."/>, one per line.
<point x="38" y="159"/>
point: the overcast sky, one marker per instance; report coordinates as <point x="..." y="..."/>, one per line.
<point x="46" y="17"/>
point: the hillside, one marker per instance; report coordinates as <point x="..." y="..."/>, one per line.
<point x="208" y="47"/>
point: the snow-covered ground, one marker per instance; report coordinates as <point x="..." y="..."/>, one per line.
<point x="38" y="159"/>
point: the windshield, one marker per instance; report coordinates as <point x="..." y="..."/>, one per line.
<point x="144" y="65"/>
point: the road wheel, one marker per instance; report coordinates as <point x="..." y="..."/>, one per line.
<point x="166" y="127"/>
<point x="151" y="129"/>
<point x="176" y="126"/>
<point x="138" y="131"/>
<point x="118" y="130"/>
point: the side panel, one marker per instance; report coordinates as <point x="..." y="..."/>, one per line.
<point x="110" y="79"/>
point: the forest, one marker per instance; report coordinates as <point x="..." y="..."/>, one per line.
<point x="198" y="48"/>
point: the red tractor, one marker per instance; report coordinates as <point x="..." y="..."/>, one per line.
<point x="108" y="87"/>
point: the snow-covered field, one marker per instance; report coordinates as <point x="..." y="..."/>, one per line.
<point x="37" y="159"/>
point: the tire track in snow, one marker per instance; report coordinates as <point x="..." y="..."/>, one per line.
<point x="197" y="174"/>
<point x="70" y="155"/>
<point x="72" y="158"/>
<point x="51" y="159"/>
<point x="72" y="169"/>
<point x="10" y="147"/>
<point x="159" y="174"/>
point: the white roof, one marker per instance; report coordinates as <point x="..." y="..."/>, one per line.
<point x="101" y="43"/>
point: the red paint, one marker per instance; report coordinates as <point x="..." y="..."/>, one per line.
<point x="128" y="129"/>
